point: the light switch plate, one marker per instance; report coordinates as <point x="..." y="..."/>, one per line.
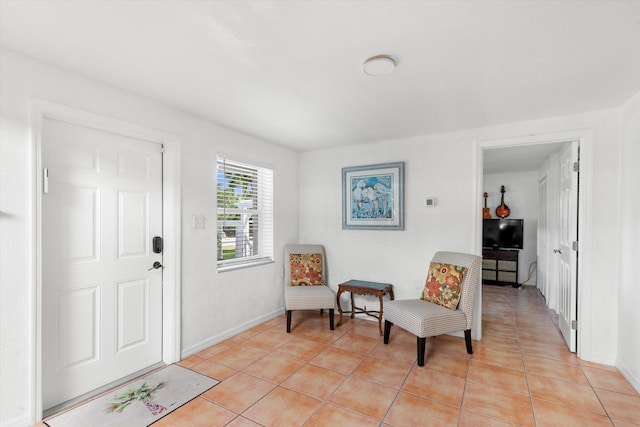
<point x="198" y="221"/>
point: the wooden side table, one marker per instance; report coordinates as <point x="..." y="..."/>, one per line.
<point x="362" y="287"/>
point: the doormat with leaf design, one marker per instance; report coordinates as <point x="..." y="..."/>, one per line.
<point x="140" y="402"/>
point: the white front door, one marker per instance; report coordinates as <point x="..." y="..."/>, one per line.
<point x="568" y="255"/>
<point x="101" y="305"/>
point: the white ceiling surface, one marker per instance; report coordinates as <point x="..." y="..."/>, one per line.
<point x="526" y="158"/>
<point x="290" y="71"/>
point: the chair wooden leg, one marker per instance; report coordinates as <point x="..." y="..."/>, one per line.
<point x="331" y="319"/>
<point x="467" y="339"/>
<point x="422" y="343"/>
<point x="387" y="331"/>
<point x="288" y="321"/>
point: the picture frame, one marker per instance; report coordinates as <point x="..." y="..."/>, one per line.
<point x="373" y="197"/>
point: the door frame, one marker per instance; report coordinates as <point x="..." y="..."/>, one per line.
<point x="171" y="220"/>
<point x="585" y="138"/>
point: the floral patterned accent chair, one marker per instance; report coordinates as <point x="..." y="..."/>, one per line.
<point x="305" y="281"/>
<point x="445" y="305"/>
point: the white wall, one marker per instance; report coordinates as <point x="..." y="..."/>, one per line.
<point x="434" y="166"/>
<point x="447" y="166"/>
<point x="210" y="301"/>
<point x="445" y="170"/>
<point x="629" y="296"/>
<point x="521" y="196"/>
<point x="15" y="249"/>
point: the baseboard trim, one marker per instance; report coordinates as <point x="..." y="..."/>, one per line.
<point x="19" y="421"/>
<point x="204" y="344"/>
<point x="628" y="374"/>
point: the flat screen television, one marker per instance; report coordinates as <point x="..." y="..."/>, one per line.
<point x="503" y="233"/>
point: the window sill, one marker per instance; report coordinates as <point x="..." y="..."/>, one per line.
<point x="238" y="266"/>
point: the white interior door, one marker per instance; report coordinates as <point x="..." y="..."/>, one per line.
<point x="568" y="235"/>
<point x="542" y="252"/>
<point x="101" y="305"/>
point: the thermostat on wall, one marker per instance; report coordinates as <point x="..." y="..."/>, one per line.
<point x="430" y="201"/>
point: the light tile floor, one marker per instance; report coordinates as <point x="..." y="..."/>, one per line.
<point x="521" y="373"/>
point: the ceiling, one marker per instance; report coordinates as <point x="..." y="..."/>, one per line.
<point x="290" y="71"/>
<point x="527" y="158"/>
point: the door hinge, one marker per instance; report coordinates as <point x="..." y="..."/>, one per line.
<point x="574" y="325"/>
<point x="576" y="166"/>
<point x="574" y="245"/>
<point x="45" y="180"/>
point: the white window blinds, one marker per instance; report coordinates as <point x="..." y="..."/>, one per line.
<point x="245" y="214"/>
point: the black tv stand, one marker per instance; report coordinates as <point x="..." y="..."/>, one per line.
<point x="500" y="267"/>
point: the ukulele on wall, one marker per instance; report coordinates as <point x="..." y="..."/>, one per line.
<point x="486" y="212"/>
<point x="503" y="210"/>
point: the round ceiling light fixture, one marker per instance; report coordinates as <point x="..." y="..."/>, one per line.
<point x="378" y="65"/>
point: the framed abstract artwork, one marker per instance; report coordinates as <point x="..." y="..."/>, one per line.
<point x="373" y="197"/>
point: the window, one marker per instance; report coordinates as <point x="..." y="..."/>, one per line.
<point x="245" y="214"/>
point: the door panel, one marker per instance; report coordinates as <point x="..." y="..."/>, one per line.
<point x="79" y="216"/>
<point x="101" y="307"/>
<point x="132" y="313"/>
<point x="79" y="318"/>
<point x="133" y="227"/>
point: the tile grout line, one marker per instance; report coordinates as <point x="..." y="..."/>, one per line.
<point x="464" y="390"/>
<point x="524" y="367"/>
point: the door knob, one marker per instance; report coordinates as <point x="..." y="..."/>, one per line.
<point x="156" y="265"/>
<point x="557" y="251"/>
